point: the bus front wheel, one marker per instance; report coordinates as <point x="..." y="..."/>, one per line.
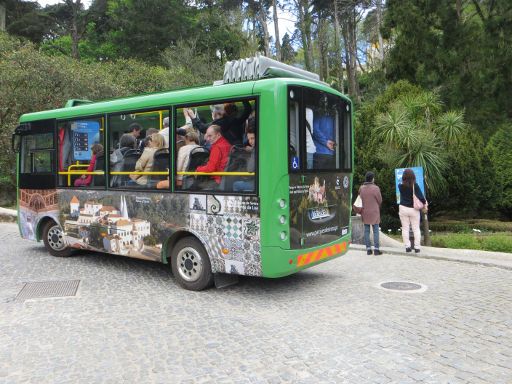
<point x="190" y="265"/>
<point x="53" y="238"/>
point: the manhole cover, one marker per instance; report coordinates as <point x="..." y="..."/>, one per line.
<point x="46" y="289"/>
<point x="401" y="286"/>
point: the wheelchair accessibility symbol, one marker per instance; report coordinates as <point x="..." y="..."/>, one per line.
<point x="295" y="162"/>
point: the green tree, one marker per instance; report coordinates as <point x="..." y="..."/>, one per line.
<point x="287" y="51"/>
<point x="461" y="47"/>
<point x="27" y="19"/>
<point x="415" y="132"/>
<point x="499" y="149"/>
<point x="143" y="29"/>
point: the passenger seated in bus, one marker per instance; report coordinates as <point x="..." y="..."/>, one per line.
<point x="126" y="142"/>
<point x="191" y="142"/>
<point x="145" y="162"/>
<point x="247" y="183"/>
<point x="219" y="154"/>
<point x="85" y="180"/>
<point x="227" y="117"/>
<point x="144" y="141"/>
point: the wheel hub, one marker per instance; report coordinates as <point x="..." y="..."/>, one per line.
<point x="56" y="238"/>
<point x="190" y="265"/>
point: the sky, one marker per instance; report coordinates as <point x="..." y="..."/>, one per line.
<point x="286" y="23"/>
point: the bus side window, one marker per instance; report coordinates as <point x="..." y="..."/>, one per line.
<point x="227" y="129"/>
<point x="294" y="131"/>
<point x="139" y="153"/>
<point x="80" y="153"/>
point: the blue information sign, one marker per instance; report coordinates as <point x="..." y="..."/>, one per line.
<point x="85" y="134"/>
<point x="418" y="171"/>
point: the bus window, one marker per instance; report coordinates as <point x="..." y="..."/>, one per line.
<point x="219" y="138"/>
<point x="294" y="129"/>
<point x="319" y="124"/>
<point x="36" y="153"/>
<point x="139" y="150"/>
<point x="81" y="159"/>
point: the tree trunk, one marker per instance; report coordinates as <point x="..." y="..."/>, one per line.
<point x="426" y="232"/>
<point x="349" y="35"/>
<point x="323" y="47"/>
<point x="262" y="19"/>
<point x="2" y="17"/>
<point x="276" y="29"/>
<point x="74" y="30"/>
<point x="379" y="24"/>
<point x="304" y="26"/>
<point x="337" y="42"/>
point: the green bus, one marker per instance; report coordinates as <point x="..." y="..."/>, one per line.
<point x="249" y="176"/>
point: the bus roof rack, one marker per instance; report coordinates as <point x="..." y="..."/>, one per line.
<point x="261" y="67"/>
<point x="75" y="102"/>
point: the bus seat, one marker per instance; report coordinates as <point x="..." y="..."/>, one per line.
<point x="99" y="180"/>
<point x="129" y="160"/>
<point x="198" y="156"/>
<point x="237" y="162"/>
<point x="160" y="164"/>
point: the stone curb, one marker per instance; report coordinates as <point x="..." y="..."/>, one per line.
<point x="9" y="215"/>
<point x="502" y="260"/>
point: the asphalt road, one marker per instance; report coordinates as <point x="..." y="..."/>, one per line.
<point x="130" y="323"/>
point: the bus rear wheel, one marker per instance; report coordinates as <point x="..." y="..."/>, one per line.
<point x="53" y="238"/>
<point x="190" y="265"/>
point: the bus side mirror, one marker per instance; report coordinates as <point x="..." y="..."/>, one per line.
<point x="15" y="142"/>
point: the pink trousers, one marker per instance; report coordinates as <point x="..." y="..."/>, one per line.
<point x="410" y="217"/>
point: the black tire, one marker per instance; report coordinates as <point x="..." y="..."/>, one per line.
<point x="191" y="265"/>
<point x="53" y="238"/>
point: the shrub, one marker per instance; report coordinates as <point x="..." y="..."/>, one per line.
<point x="462" y="226"/>
<point x="495" y="243"/>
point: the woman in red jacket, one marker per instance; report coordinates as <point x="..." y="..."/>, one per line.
<point x="85" y="180"/>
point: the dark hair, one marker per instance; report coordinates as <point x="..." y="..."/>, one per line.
<point x="369" y="177"/>
<point x="134" y="127"/>
<point x="96" y="148"/>
<point x="230" y="109"/>
<point x="251" y="125"/>
<point x="409" y="178"/>
<point x="127" y="140"/>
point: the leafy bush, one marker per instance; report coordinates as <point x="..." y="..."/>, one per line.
<point x="32" y="81"/>
<point x="499" y="150"/>
<point x="461" y="226"/>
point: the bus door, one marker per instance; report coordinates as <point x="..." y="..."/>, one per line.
<point x="319" y="165"/>
<point x="37" y="161"/>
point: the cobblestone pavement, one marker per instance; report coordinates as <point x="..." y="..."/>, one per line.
<point x="130" y="323"/>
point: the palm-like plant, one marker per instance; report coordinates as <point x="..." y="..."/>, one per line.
<point x="415" y="132"/>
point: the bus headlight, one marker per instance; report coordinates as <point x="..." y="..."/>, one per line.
<point x="282" y="203"/>
<point x="283" y="235"/>
<point x="282" y="219"/>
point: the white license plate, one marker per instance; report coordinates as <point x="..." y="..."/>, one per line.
<point x="319" y="213"/>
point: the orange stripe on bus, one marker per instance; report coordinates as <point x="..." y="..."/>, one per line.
<point x="323" y="253"/>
